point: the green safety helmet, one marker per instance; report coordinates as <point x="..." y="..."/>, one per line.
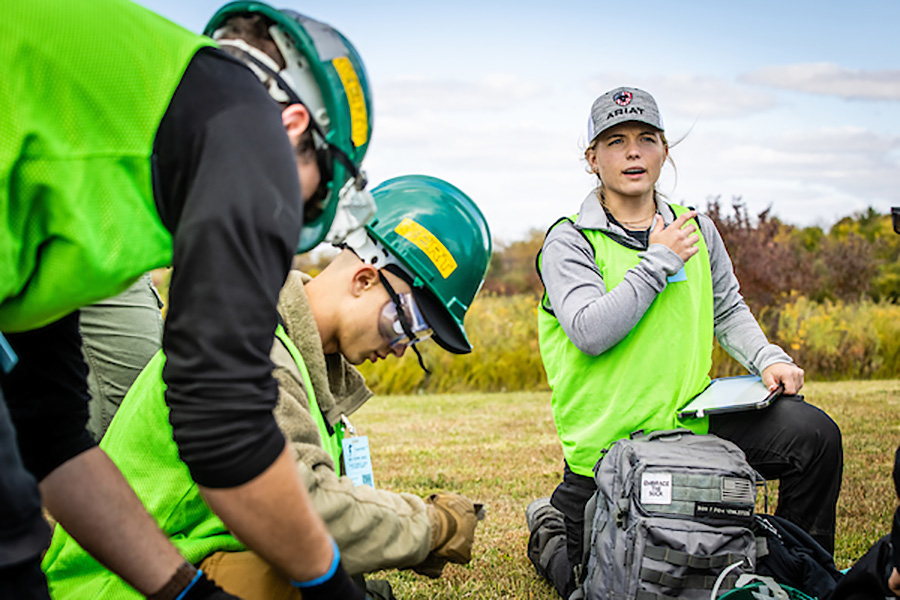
<point x="324" y="73"/>
<point x="441" y="242"/>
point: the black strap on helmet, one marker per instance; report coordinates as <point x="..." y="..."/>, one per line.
<point x="404" y="322"/>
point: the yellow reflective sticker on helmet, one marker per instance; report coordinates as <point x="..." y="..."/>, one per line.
<point x="430" y="245"/>
<point x="359" y="117"/>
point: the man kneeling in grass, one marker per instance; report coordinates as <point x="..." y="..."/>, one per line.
<point x="412" y="273"/>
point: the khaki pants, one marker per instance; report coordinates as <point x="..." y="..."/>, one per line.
<point x="119" y="336"/>
<point x="248" y="576"/>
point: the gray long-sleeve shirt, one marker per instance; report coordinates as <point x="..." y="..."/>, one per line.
<point x="596" y="319"/>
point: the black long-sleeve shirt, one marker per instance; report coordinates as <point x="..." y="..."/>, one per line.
<point x="226" y="186"/>
<point x="895" y="527"/>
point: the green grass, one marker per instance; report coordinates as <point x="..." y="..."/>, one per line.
<point x="501" y="449"/>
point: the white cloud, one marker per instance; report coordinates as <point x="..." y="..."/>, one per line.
<point x="831" y="80"/>
<point x="692" y="96"/>
<point x="521" y="171"/>
<point x="514" y="148"/>
<point x="511" y="143"/>
<point x="806" y="176"/>
<point x="494" y="92"/>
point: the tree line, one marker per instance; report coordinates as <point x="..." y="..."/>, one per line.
<point x="856" y="258"/>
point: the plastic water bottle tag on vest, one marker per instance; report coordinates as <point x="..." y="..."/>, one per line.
<point x="676" y="277"/>
<point x="8" y="358"/>
<point x="358" y="461"/>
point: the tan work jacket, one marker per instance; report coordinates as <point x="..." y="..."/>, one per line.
<point x="374" y="529"/>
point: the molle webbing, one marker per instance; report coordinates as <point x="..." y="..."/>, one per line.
<point x="692" y="561"/>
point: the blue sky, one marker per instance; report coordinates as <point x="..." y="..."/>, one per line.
<point x="793" y="105"/>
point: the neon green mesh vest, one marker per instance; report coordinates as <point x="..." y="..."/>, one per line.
<point x="140" y="442"/>
<point x="84" y="86"/>
<point x="640" y="382"/>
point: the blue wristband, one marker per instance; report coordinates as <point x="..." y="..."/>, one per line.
<point x="328" y="574"/>
<point x="190" y="585"/>
<point x="8" y="358"/>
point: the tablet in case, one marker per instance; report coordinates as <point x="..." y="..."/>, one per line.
<point x="730" y="394"/>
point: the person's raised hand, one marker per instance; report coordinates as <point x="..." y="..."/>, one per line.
<point x="680" y="236"/>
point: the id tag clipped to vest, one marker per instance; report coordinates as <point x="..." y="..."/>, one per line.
<point x="358" y="460"/>
<point x="677" y="277"/>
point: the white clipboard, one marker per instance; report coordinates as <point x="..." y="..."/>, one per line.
<point x="730" y="394"/>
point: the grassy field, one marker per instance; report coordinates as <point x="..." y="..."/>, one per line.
<point x="501" y="449"/>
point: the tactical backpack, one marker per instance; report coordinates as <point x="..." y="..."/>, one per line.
<point x="671" y="518"/>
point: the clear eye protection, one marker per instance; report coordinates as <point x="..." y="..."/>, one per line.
<point x="390" y="323"/>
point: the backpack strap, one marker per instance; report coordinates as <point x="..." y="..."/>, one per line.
<point x="589" y="509"/>
<point x="690" y="582"/>
<point x="692" y="561"/>
<point x="762" y="548"/>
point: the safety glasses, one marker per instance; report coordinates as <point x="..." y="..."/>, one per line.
<point x="412" y="323"/>
<point x="401" y="322"/>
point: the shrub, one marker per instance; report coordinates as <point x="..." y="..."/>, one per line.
<point x="831" y="340"/>
<point x="838" y="340"/>
<point x="505" y="356"/>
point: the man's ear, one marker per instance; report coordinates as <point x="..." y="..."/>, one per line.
<point x="364" y="278"/>
<point x="296" y="120"/>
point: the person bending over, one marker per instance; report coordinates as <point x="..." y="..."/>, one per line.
<point x="411" y="275"/>
<point x="129" y="144"/>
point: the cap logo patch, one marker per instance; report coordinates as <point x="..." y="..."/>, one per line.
<point x="425" y="241"/>
<point x="623" y="98"/>
<point x="634" y="110"/>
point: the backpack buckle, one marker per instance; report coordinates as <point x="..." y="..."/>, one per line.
<point x="622" y="507"/>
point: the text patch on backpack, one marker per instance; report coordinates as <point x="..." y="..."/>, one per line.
<point x="714" y="510"/>
<point x="656" y="488"/>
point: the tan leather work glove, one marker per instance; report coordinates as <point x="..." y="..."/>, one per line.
<point x="453" y="519"/>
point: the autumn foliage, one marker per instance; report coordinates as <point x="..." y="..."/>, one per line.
<point x="856" y="259"/>
<point x="859" y="257"/>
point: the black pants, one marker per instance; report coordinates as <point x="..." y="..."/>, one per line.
<point x="799" y="445"/>
<point x="43" y="412"/>
<point x="570" y="497"/>
<point x="791" y="440"/>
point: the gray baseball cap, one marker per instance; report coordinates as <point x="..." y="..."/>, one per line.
<point x="622" y="105"/>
